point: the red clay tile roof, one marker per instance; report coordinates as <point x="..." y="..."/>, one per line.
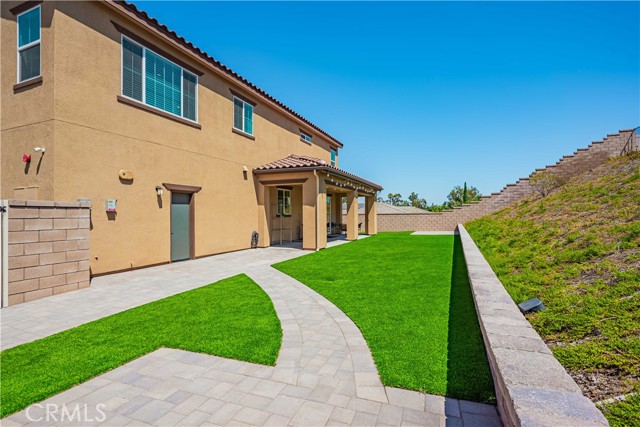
<point x="194" y="49"/>
<point x="295" y="161"/>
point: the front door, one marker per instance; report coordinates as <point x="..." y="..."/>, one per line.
<point x="180" y="226"/>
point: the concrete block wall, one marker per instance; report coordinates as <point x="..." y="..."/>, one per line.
<point x="48" y="248"/>
<point x="532" y="387"/>
<point x="582" y="160"/>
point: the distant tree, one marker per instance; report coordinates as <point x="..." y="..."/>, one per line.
<point x="417" y="202"/>
<point x="462" y="195"/>
<point x="396" y="199"/>
<point x="379" y="199"/>
<point x="437" y="208"/>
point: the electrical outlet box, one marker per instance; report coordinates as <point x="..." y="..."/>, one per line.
<point x="110" y="205"/>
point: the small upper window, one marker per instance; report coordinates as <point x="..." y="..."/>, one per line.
<point x="305" y="137"/>
<point x="151" y="79"/>
<point x="29" y="44"/>
<point x="242" y="116"/>
<point x="333" y="157"/>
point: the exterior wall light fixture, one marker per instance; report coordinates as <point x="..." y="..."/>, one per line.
<point x="159" y="191"/>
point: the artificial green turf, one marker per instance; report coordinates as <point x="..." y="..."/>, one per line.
<point x="410" y="297"/>
<point x="231" y="318"/>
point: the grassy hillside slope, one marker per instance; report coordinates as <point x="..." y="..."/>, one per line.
<point x="578" y="250"/>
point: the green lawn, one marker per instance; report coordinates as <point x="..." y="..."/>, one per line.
<point x="410" y="297"/>
<point x="231" y="318"/>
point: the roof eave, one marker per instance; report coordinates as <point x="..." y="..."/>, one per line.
<point x="327" y="169"/>
<point x="121" y="9"/>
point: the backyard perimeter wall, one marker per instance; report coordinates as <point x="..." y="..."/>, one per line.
<point x="532" y="387"/>
<point x="48" y="248"/>
<point x="583" y="160"/>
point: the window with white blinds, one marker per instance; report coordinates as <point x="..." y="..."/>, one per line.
<point x="154" y="80"/>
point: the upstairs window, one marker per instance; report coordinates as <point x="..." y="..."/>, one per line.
<point x="305" y="137"/>
<point x="154" y="80"/>
<point x="29" y="44"/>
<point x="242" y="116"/>
<point x="333" y="157"/>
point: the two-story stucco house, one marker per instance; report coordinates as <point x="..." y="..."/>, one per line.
<point x="180" y="156"/>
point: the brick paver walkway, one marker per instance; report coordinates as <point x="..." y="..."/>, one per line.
<point x="324" y="374"/>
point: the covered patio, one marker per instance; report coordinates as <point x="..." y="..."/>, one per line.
<point x="300" y="199"/>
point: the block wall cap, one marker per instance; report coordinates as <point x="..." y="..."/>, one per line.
<point x="49" y="204"/>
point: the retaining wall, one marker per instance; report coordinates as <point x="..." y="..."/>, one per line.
<point x="532" y="387"/>
<point x="48" y="248"/>
<point x="583" y="160"/>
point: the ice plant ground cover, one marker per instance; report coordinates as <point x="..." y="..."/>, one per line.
<point x="578" y="250"/>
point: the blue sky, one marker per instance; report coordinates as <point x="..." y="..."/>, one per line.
<point x="428" y="95"/>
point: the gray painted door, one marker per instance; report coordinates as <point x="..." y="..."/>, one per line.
<point x="180" y="236"/>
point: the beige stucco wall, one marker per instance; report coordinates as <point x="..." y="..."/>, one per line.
<point x="26" y="116"/>
<point x="75" y="109"/>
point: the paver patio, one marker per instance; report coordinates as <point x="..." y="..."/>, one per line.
<point x="324" y="374"/>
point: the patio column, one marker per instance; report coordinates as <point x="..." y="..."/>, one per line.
<point x="309" y="213"/>
<point x="321" y="219"/>
<point x="370" y="215"/>
<point x="352" y="215"/>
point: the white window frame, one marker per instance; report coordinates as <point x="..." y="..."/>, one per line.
<point x="333" y="162"/>
<point x="144" y="80"/>
<point x="244" y="103"/>
<point x="28" y="45"/>
<point x="305" y="137"/>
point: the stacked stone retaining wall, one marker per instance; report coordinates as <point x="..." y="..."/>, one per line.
<point x="582" y="160"/>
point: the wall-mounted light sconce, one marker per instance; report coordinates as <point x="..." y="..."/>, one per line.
<point x="159" y="191"/>
<point x="39" y="150"/>
<point x="26" y="158"/>
<point x="245" y="172"/>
